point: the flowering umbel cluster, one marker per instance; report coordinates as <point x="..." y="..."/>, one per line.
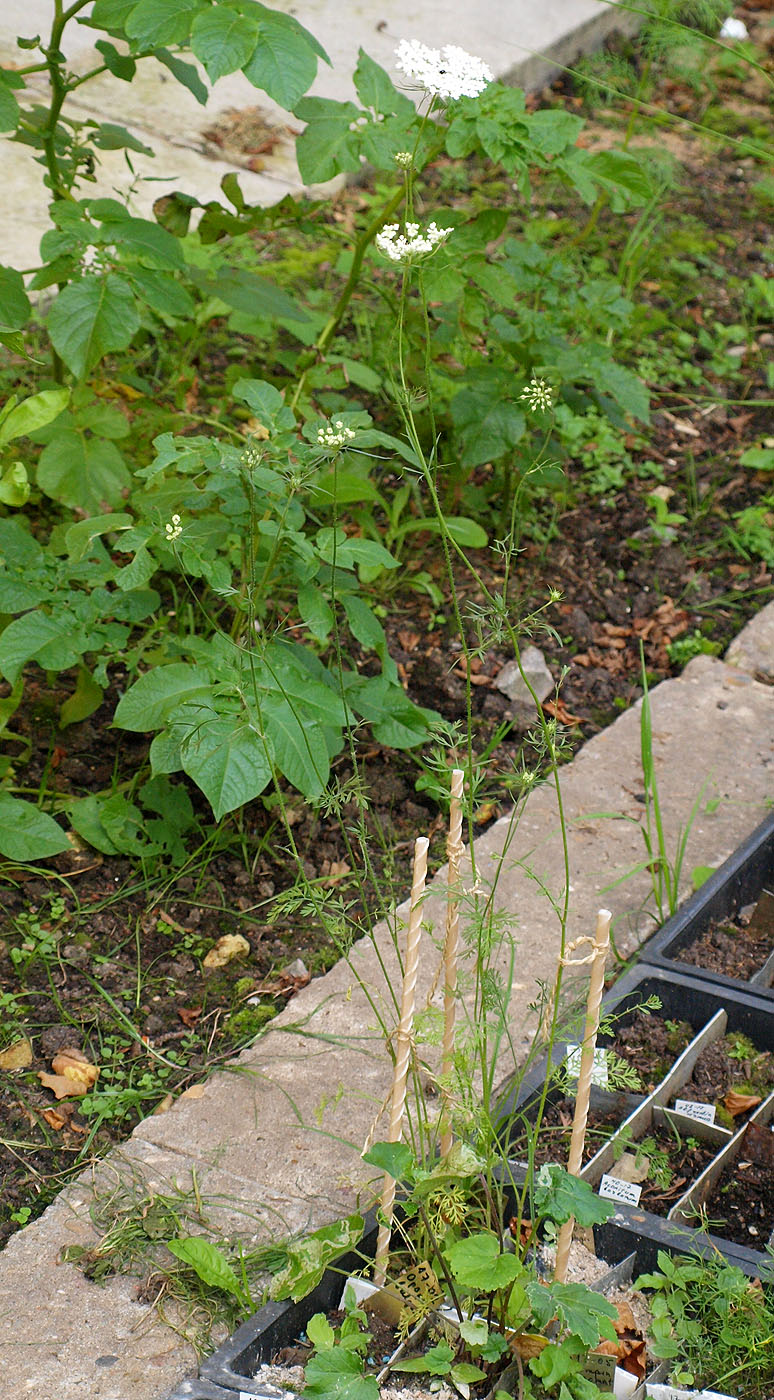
<point x="538" y="394"/>
<point x="337" y="435"/>
<point x="449" y="72"/>
<point x="412" y="245"/>
<point x="172" y="529"/>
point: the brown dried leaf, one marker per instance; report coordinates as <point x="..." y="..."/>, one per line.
<point x="61" y="1086"/>
<point x="231" y="945"/>
<point x="409" y="640"/>
<point x="189" y="1015"/>
<point x="737" y="1103"/>
<point x="17" y="1056"/>
<point x="528" y="1344"/>
<point x="75" y="1066"/>
<point x="758" y="1146"/>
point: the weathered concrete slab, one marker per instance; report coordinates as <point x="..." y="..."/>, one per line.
<point x="517" y="39"/>
<point x="753" y="649"/>
<point x="279" y="1135"/>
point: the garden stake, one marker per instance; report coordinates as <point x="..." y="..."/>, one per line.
<point x="402" y="1049"/>
<point x="583" y="1092"/>
<point x="454" y="850"/>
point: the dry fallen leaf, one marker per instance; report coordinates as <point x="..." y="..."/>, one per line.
<point x="231" y="945"/>
<point x="73" y="1074"/>
<point x="189" y="1015"/>
<point x="757" y="1146"/>
<point x="737" y="1103"/>
<point x="17" y="1056"/>
<point x="528" y="1344"/>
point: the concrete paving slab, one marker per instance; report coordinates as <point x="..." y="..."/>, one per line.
<point x="280" y="1132"/>
<point x="753" y="649"/>
<point x="517" y="39"/>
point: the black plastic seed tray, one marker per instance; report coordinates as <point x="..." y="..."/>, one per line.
<point x="738" y="882"/>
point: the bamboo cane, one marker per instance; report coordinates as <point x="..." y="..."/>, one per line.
<point x="454" y="850"/>
<point x="583" y="1093"/>
<point x="402" y="1049"/>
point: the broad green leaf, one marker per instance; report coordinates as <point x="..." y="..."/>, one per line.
<point x="86" y="473"/>
<point x="461" y="528"/>
<point x="124" y="825"/>
<point x="626" y="388"/>
<point x="154" y="244"/>
<point x="437" y="1360"/>
<point x="298" y="745"/>
<point x="226" y="758"/>
<point x="488" y="423"/>
<point x="345" y="551"/>
<point x="26" y="833"/>
<point x="208" y="1263"/>
<point x="79" y="537"/>
<point x="364" y="624"/>
<point x="308" y="1258"/>
<point x="84" y="814"/>
<point x="90" y="318"/>
<point x="561" y="1197"/>
<point x="24" y="638"/>
<point x="337" y="1374"/>
<point x="320" y="1332"/>
<point x="185" y="73"/>
<point x="552" y="130"/>
<point x="328" y="145"/>
<point x="121" y="65"/>
<point x="376" y="90"/>
<point x="109" y="14"/>
<point x="474" y="1331"/>
<point x="153" y="23"/>
<point x="14" y="485"/>
<point x="223" y="40"/>
<point x="248" y="291"/>
<point x="150" y="700"/>
<point x="9" y="109"/>
<point x="761" y="458"/>
<point x="162" y="293"/>
<point x="33" y="413"/>
<point x="85" y="699"/>
<point x="266" y="402"/>
<point x="395" y="1158"/>
<point x="15" y="307"/>
<point x="109" y="136"/>
<point x="315" y="611"/>
<point x="478" y="1262"/>
<point x="283" y="64"/>
<point x="588" y="1315"/>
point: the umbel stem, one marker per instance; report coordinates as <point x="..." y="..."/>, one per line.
<point x="454" y="850"/>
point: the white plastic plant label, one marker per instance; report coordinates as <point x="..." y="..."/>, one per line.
<point x="613" y="1189"/>
<point x="598" y="1069"/>
<point x="704" y="1112"/>
<point x="671" y="1392"/>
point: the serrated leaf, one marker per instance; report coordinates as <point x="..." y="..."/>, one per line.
<point x="298" y="745"/>
<point x="86" y="473"/>
<point x="395" y="1158"/>
<point x="561" y="1197"/>
<point x="155" y="245"/>
<point x="588" y="1315"/>
<point x="90" y="318"/>
<point x="26" y="833"/>
<point x="376" y="89"/>
<point x="10" y="110"/>
<point x="248" y="291"/>
<point x="320" y="1332"/>
<point x="337" y="1374"/>
<point x="477" y="1262"/>
<point x="327" y="146"/>
<point x="162" y="293"/>
<point x="283" y="64"/>
<point x="15" y="307"/>
<point x="33" y="413"/>
<point x="488" y="424"/>
<point x="223" y="40"/>
<point x="159" y="22"/>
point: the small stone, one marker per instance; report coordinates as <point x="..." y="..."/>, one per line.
<point x="509" y="681"/>
<point x="297" y="968"/>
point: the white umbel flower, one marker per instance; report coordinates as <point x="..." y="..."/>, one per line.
<point x="538" y="394"/>
<point x="172" y="529"/>
<point x="734" y="29"/>
<point x="337" y="435"/>
<point x="449" y="72"/>
<point x="412" y="245"/>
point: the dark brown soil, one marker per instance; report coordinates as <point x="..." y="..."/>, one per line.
<point x="736" y="949"/>
<point x="742" y="1205"/>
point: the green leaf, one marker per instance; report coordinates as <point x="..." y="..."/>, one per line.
<point x="488" y="424"/>
<point x="26" y="833"/>
<point x="162" y="293"/>
<point x="298" y="745"/>
<point x="141" y="237"/>
<point x="308" y="1258"/>
<point x="327" y="146"/>
<point x="761" y="458"/>
<point x="266" y="402"/>
<point x="124" y="825"/>
<point x="91" y="317"/>
<point x="626" y="388"/>
<point x="586" y="1314"/>
<point x="109" y="14"/>
<point x="121" y="65"/>
<point x="185" y="73"/>
<point x="561" y="1197"/>
<point x="345" y="551"/>
<point x="79" y="537"/>
<point x="24" y="638"/>
<point x="478" y="1262"/>
<point x="315" y="611"/>
<point x="33" y="413"/>
<point x="461" y="528"/>
<point x="15" y="307"/>
<point x="337" y="1374"/>
<point x="85" y="699"/>
<point x="223" y="40"/>
<point x="155" y="22"/>
<point x="109" y="136"/>
<point x="320" y="1332"/>
<point x="207" y="1263"/>
<point x="552" y="130"/>
<point x="86" y="473"/>
<point x="226" y="758"/>
<point x="395" y="1158"/>
<point x="700" y="874"/>
<point x="248" y="291"/>
<point x="9" y="108"/>
<point x="437" y="1360"/>
<point x="9" y="704"/>
<point x="284" y="64"/>
<point x="15" y="485"/>
<point x="84" y="814"/>
<point x="376" y="90"/>
<point x="151" y="699"/>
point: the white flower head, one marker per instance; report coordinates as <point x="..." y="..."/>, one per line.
<point x="172" y="529"/>
<point x="411" y="246"/>
<point x="733" y="29"/>
<point x="449" y="72"/>
<point x="94" y="259"/>
<point x="404" y="159"/>
<point x="538" y="394"/>
<point x="335" y="435"/>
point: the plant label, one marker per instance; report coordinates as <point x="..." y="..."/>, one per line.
<point x="598" y="1070"/>
<point x="600" y="1369"/>
<point x="613" y="1189"/>
<point x="704" y="1112"/>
